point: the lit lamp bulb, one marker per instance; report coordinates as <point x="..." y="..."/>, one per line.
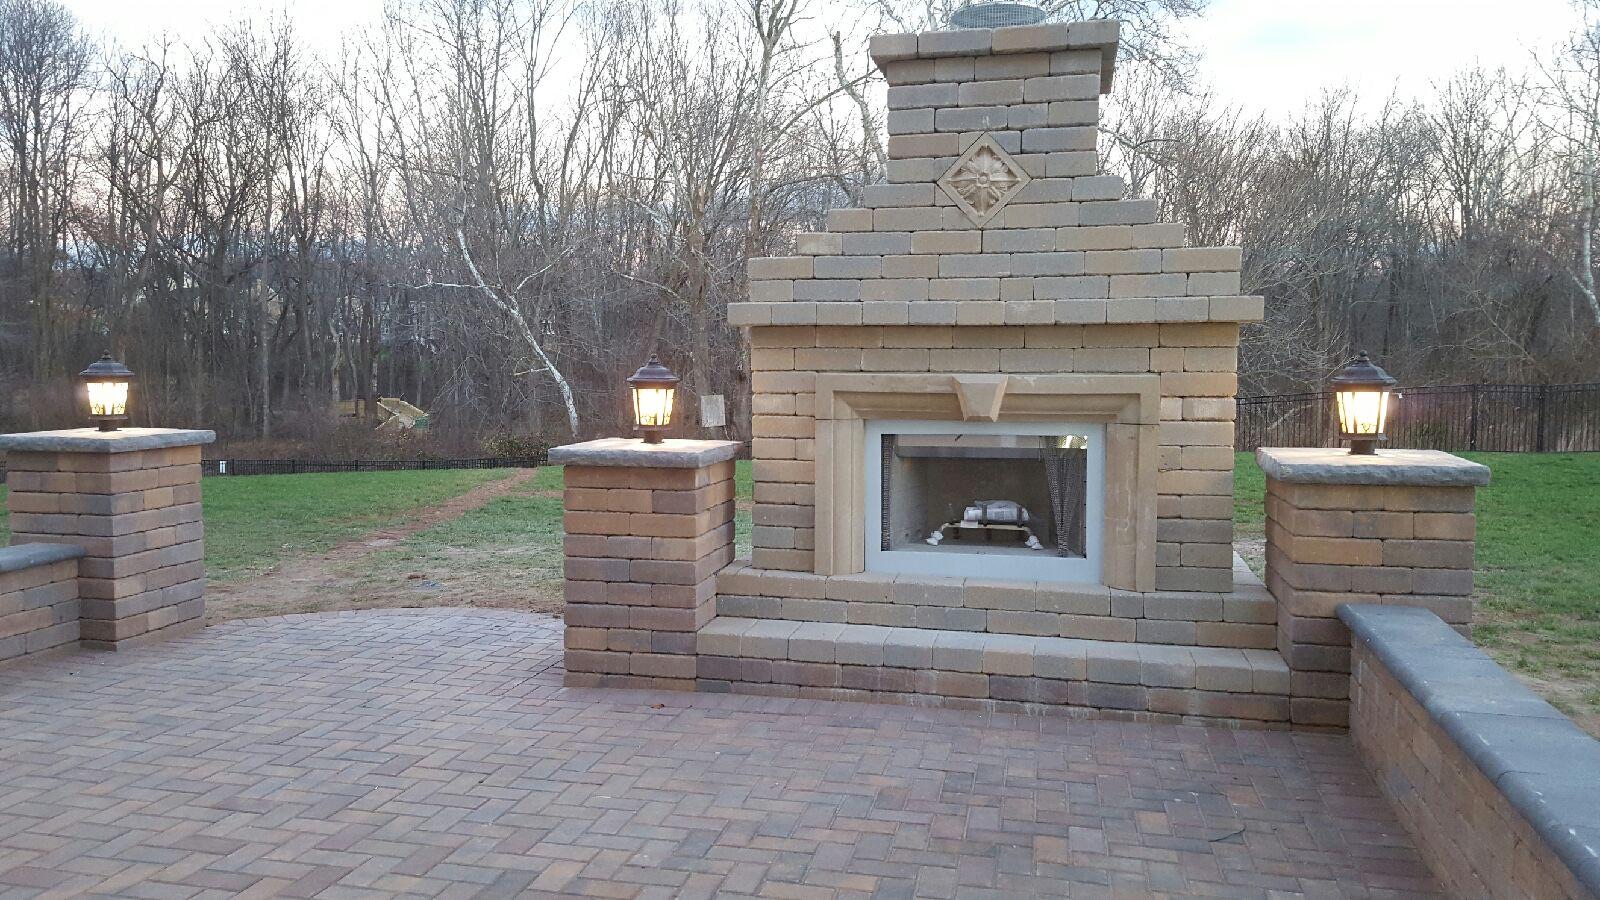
<point x="1361" y="394"/>
<point x="654" y="387"/>
<point x="107" y="383"/>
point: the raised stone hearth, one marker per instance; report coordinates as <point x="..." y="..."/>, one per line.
<point x="853" y="662"/>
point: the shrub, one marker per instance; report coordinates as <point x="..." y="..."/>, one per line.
<point x="516" y="446"/>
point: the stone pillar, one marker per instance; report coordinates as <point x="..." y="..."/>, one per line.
<point x="131" y="500"/>
<point x="1395" y="528"/>
<point x="648" y="526"/>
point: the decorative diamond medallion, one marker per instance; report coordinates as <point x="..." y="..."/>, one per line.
<point x="983" y="180"/>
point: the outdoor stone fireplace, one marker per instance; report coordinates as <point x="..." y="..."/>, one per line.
<point x="997" y="323"/>
<point x="992" y="416"/>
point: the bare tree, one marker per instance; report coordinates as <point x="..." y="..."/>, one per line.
<point x="1570" y="90"/>
<point x="496" y="208"/>
<point x="44" y="82"/>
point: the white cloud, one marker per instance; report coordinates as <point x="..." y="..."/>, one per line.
<point x="1274" y="55"/>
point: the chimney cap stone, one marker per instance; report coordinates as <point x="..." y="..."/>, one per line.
<point x="1094" y="34"/>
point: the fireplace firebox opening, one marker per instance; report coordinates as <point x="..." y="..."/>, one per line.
<point x="1019" y="500"/>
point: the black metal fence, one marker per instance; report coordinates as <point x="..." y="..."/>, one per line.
<point x="305" y="466"/>
<point x="1517" y="418"/>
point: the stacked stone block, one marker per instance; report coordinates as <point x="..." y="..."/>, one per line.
<point x="1090" y="275"/>
<point x="38" y="599"/>
<point x="647" y="529"/>
<point x="990" y="299"/>
<point x="1397" y="528"/>
<point x="1063" y="275"/>
<point x="131" y="501"/>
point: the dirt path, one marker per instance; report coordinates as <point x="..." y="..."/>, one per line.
<point x="333" y="580"/>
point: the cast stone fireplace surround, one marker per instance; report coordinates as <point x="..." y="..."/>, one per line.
<point x="1123" y="411"/>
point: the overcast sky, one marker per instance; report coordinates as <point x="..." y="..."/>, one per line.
<point x="1270" y="55"/>
<point x="1274" y="54"/>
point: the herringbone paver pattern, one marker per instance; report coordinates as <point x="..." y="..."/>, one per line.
<point x="436" y="753"/>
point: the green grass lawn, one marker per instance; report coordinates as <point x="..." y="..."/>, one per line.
<point x="1539" y="570"/>
<point x="1249" y="497"/>
<point x="510" y="544"/>
<point x="251" y="522"/>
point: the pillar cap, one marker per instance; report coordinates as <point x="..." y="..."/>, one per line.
<point x="669" y="454"/>
<point x="91" y="440"/>
<point x="1415" y="468"/>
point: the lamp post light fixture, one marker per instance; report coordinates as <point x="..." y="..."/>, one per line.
<point x="654" y="387"/>
<point x="1361" y="401"/>
<point x="107" y="383"/>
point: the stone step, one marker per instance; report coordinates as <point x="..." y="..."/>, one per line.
<point x="841" y="660"/>
<point x="1242" y="618"/>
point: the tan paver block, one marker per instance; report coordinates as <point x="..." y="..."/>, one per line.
<point x="1202" y="259"/>
<point x="1444" y="526"/>
<point x="1007" y="595"/>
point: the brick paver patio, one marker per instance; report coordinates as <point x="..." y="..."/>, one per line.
<point x="436" y="753"/>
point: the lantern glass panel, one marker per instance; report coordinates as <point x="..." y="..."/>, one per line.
<point x="1363" y="412"/>
<point x="652" y="406"/>
<point x="108" y="398"/>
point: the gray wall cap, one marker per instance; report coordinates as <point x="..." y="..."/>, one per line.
<point x="1547" y="768"/>
<point x="26" y="556"/>
<point x="1418" y="468"/>
<point x="90" y="440"/>
<point x="669" y="454"/>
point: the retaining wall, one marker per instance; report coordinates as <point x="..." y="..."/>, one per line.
<point x="39" y="603"/>
<point x="1499" y="789"/>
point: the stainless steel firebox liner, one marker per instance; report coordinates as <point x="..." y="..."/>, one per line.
<point x="1066" y="471"/>
<point x="1066" y="475"/>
